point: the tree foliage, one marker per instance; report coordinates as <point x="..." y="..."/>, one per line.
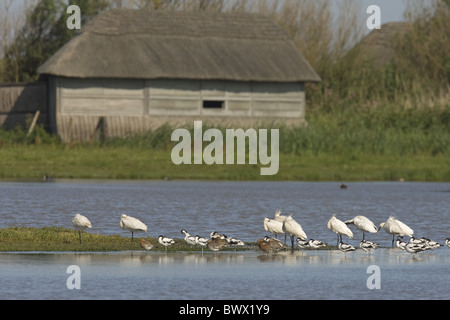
<point x="44" y="32"/>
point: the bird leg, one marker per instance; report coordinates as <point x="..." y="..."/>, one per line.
<point x="79" y="234"/>
<point x="132" y="239"/>
<point x="292" y="243"/>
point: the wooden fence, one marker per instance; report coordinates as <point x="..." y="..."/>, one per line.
<point x="19" y="102"/>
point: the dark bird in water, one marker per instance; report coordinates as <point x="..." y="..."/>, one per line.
<point x="146" y="245"/>
<point x="270" y="245"/>
<point x="342" y="186"/>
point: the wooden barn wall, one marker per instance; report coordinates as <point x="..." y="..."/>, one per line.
<point x="21" y="101"/>
<point x="84" y="108"/>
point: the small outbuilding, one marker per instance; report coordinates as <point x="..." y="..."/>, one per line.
<point x="129" y="71"/>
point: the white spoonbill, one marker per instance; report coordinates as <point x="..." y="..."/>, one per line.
<point x="165" y="241"/>
<point x="280" y="218"/>
<point x="273" y="226"/>
<point x="339" y="227"/>
<point x="80" y="223"/>
<point x="363" y="224"/>
<point x="132" y="224"/>
<point x="396" y="228"/>
<point x="294" y="229"/>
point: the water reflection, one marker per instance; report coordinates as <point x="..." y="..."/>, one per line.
<point x="238" y="211"/>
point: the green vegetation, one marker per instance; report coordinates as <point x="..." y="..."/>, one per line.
<point x="387" y="143"/>
<point x="365" y="121"/>
<point x="62" y="239"/>
<point x="43" y="33"/>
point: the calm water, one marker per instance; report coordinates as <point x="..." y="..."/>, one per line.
<point x="237" y="209"/>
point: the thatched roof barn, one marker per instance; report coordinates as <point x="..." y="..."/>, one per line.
<point x="136" y="69"/>
<point x="378" y="47"/>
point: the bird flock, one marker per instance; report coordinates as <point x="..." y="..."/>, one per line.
<point x="215" y="243"/>
<point x="286" y="224"/>
<point x="281" y="224"/>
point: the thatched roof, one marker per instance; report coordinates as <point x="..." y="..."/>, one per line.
<point x="147" y="44"/>
<point x="378" y="46"/>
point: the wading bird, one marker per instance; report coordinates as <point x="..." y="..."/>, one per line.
<point x="425" y="242"/>
<point x="294" y="229"/>
<point x="188" y="238"/>
<point x="368" y="246"/>
<point x="275" y="242"/>
<point x="217" y="243"/>
<point x="339" y="227"/>
<point x="234" y="241"/>
<point x="363" y="224"/>
<point x="316" y="244"/>
<point x="400" y="244"/>
<point x="146" y="245"/>
<point x="418" y="241"/>
<point x="165" y="241"/>
<point x="433" y="244"/>
<point x="302" y="244"/>
<point x="268" y="246"/>
<point x="414" y="248"/>
<point x="280" y="218"/>
<point x="213" y="245"/>
<point x="447" y="242"/>
<point x="345" y="247"/>
<point x="396" y="228"/>
<point x="201" y="241"/>
<point x="80" y="223"/>
<point x="273" y="226"/>
<point x="215" y="235"/>
<point x="132" y="224"/>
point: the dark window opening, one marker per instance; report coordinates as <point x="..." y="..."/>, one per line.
<point x="213" y="104"/>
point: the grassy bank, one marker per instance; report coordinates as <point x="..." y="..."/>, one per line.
<point x="62" y="239"/>
<point x="35" y="162"/>
<point x="343" y="144"/>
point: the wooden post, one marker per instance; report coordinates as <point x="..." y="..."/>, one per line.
<point x="33" y="123"/>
